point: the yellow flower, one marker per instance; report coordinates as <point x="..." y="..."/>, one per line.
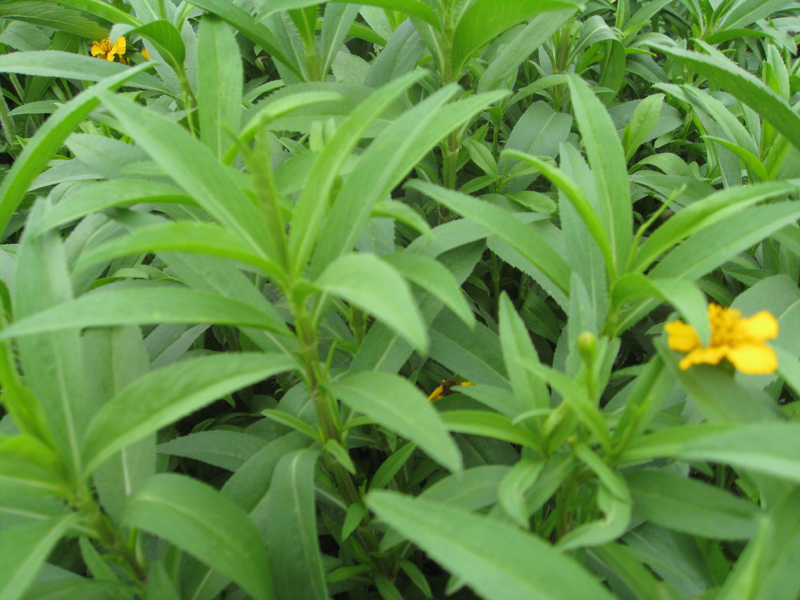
<point x="444" y="389"/>
<point x="145" y="53"/>
<point x="104" y="49"/>
<point x="741" y="341"/>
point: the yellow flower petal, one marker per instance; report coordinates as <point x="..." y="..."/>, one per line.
<point x="753" y="359"/>
<point x="760" y="327"/>
<point x="119" y="46"/>
<point x="436" y="394"/>
<point x="146" y="54"/>
<point x="710" y="356"/>
<point x="682" y="337"/>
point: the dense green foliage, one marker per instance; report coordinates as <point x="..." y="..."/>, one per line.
<point x="245" y="239"/>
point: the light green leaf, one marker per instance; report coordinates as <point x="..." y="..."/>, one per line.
<point x="771" y="448"/>
<point x="50" y="136"/>
<point x="483" y="20"/>
<point x="194" y="168"/>
<point x="688" y="505"/>
<point x="137" y="306"/>
<point x="396" y="404"/>
<point x="31" y="544"/>
<point x="505" y="226"/>
<point x="412" y="8"/>
<point x="434" y="277"/>
<point x="291" y="524"/>
<point x="744" y="86"/>
<point x="251" y="28"/>
<point x="182" y="236"/>
<point x="202" y="522"/>
<point x="496" y="559"/>
<point x="219" y="84"/>
<point x="609" y="169"/>
<point x="165" y="395"/>
<point x="377" y="288"/>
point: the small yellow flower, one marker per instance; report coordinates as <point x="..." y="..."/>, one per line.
<point x="741" y="341"/>
<point x="444" y="389"/>
<point x="105" y="49"/>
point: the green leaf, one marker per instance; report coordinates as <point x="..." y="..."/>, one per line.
<point x="219" y="84"/>
<point x="377" y="288"/>
<point x="53" y="361"/>
<point x="50" y="136"/>
<point x="493" y="425"/>
<point x="242" y="21"/>
<point x="163" y="35"/>
<point x="31" y="544"/>
<point x="102" y="195"/>
<point x="536" y="32"/>
<point x="194" y="168"/>
<point x="182" y="236"/>
<point x="703" y="213"/>
<point x="396" y="404"/>
<point x="432" y="276"/>
<point x="391" y="466"/>
<point x="497" y="560"/>
<point x="52" y="63"/>
<point x="137" y="306"/>
<point x="224" y="449"/>
<point x="56" y="17"/>
<point x="771" y="448"/>
<point x="609" y="169"/>
<point x="98" y="8"/>
<point x="687" y="505"/>
<point x="412" y="8"/>
<point x="580" y="203"/>
<point x="505" y="226"/>
<point x="744" y="86"/>
<point x="202" y="522"/>
<point x="291" y="524"/>
<point x="765" y="569"/>
<point x="683" y="295"/>
<point x="530" y="391"/>
<point x="386" y="163"/>
<point x="312" y="204"/>
<point x="723" y="240"/>
<point x="484" y="20"/>
<point x="165" y="395"/>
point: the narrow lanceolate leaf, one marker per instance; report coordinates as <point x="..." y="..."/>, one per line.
<point x="52" y="361"/>
<point x="291" y="524"/>
<point x="772" y="448"/>
<point x="139" y="306"/>
<point x="377" y="288"/>
<point x="396" y="404"/>
<point x="725" y="239"/>
<point x="194" y="168"/>
<point x="497" y="560"/>
<point x="202" y="522"/>
<point x="744" y="86"/>
<point x="49" y="138"/>
<point x="312" y="204"/>
<point x="703" y="213"/>
<point x="219" y="84"/>
<point x="505" y="226"/>
<point x="609" y="168"/>
<point x="107" y="194"/>
<point x="484" y="20"/>
<point x="181" y="236"/>
<point x="165" y="395"/>
<point x="412" y="8"/>
<point x="387" y="161"/>
<point x="249" y="27"/>
<point x="25" y="548"/>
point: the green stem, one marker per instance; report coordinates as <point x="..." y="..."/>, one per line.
<point x="7" y="124"/>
